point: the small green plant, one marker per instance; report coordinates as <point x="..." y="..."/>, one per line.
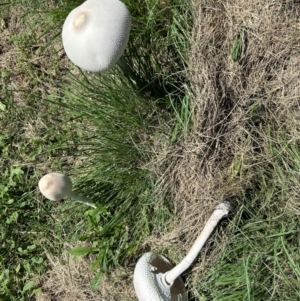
<point x="238" y="46"/>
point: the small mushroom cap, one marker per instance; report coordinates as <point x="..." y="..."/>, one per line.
<point x="95" y="34"/>
<point x="55" y="186"/>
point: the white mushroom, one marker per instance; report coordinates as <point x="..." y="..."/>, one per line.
<point x="56" y="186"/>
<point x="154" y="277"/>
<point x="220" y="211"/>
<point x="95" y="34"/>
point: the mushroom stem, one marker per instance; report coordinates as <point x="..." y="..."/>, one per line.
<point x="221" y="210"/>
<point x="81" y="199"/>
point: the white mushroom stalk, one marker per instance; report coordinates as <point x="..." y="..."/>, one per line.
<point x="154" y="277"/>
<point x="221" y="210"/>
<point x="56" y="186"/>
<point x="95" y="34"/>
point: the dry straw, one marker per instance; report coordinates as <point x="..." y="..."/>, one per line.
<point x="240" y="105"/>
<point x="69" y="279"/>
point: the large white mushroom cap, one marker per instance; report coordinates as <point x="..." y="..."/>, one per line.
<point x="95" y="34"/>
<point x="55" y="186"/>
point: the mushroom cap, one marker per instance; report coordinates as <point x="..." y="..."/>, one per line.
<point x="148" y="280"/>
<point x="55" y="186"/>
<point x="95" y="34"/>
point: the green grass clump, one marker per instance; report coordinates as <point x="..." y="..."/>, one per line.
<point x="114" y="122"/>
<point x="261" y="258"/>
<point x="98" y="128"/>
<point x="119" y="115"/>
<point x="259" y="262"/>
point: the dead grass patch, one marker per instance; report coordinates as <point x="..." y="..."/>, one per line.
<point x="69" y="279"/>
<point x="241" y="110"/>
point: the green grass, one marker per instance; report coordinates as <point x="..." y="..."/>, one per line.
<point x="100" y="129"/>
<point x="118" y="113"/>
<point x="258" y="263"/>
<point x="107" y="122"/>
<point x="261" y="259"/>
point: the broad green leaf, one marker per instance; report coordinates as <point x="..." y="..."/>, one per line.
<point x="2" y="106"/>
<point x="95" y="264"/>
<point x="17" y="269"/>
<point x="10" y="201"/>
<point x="37" y="291"/>
<point x="38" y="260"/>
<point x="96" y="281"/>
<point x="4" y="273"/>
<point x="12" y="218"/>
<point x="81" y="251"/>
<point x="28" y="286"/>
<point x="84" y="237"/>
<point x="5" y="74"/>
<point x="16" y="171"/>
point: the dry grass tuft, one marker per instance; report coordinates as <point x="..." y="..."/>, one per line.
<point x="69" y="279"/>
<point x="242" y="108"/>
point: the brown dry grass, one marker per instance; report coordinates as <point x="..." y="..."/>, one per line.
<point x="24" y="55"/>
<point x="31" y="69"/>
<point x="11" y="25"/>
<point x="69" y="280"/>
<point x="240" y="109"/>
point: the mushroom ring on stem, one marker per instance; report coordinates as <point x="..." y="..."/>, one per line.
<point x="154" y="277"/>
<point x="56" y="186"/>
<point x="95" y="34"/>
